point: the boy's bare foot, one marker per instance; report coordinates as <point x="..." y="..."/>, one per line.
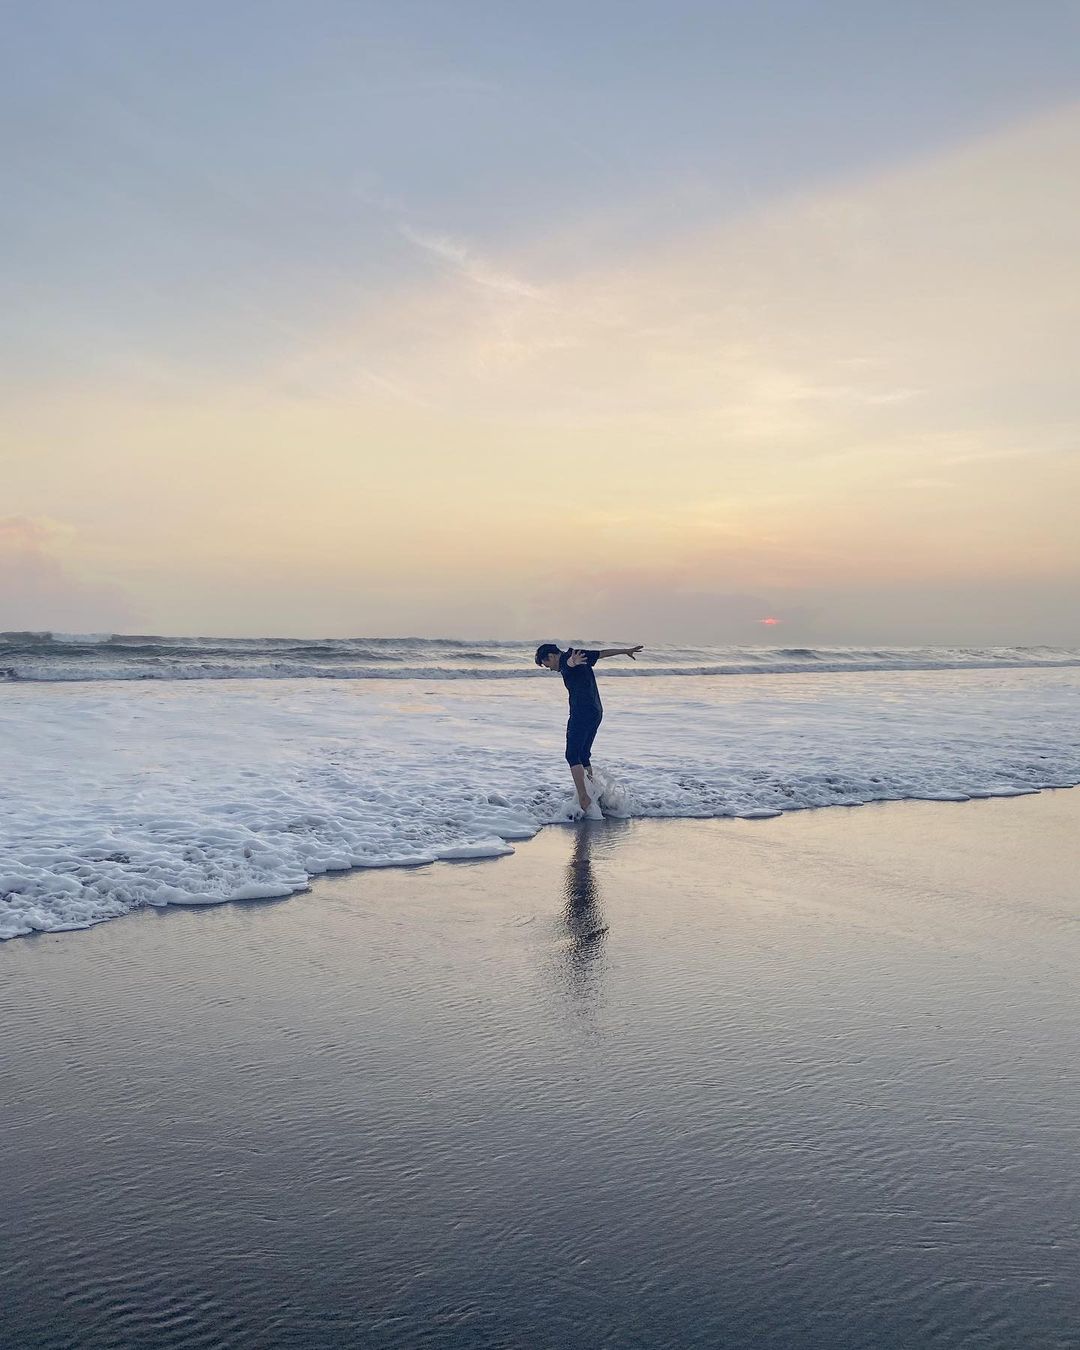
<point x="586" y="801"/>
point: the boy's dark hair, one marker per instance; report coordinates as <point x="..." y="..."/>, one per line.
<point x="544" y="651"/>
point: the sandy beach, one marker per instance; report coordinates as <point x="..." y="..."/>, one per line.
<point x="801" y="1082"/>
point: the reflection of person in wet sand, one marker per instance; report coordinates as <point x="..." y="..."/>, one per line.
<point x="583" y="915"/>
<point x="581" y="957"/>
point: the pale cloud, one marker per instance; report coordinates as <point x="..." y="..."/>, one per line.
<point x="930" y="484"/>
<point x="40" y="589"/>
<point x="991" y="454"/>
<point x="22" y="534"/>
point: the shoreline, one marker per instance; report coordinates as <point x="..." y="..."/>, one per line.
<point x="515" y="844"/>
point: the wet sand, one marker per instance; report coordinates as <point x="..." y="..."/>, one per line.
<point x="804" y="1082"/>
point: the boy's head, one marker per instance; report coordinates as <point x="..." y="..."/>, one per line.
<point x="547" y="655"/>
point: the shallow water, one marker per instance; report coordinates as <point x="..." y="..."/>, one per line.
<point x="119" y="795"/>
<point x="802" y="1082"/>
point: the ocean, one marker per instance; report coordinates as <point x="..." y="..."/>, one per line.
<point x="146" y="770"/>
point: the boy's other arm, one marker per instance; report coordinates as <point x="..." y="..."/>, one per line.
<point x="580" y="656"/>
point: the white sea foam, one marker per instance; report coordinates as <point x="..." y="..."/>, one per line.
<point x="116" y="795"/>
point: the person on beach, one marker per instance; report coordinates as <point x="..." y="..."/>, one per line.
<point x="575" y="665"/>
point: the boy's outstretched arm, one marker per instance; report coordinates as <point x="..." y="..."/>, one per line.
<point x="622" y="651"/>
<point x="589" y="656"/>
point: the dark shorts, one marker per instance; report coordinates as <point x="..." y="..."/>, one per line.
<point x="580" y="733"/>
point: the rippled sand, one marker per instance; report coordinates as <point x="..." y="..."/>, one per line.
<point x="806" y="1082"/>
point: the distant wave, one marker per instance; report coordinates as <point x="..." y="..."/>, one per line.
<point x="46" y="656"/>
<point x="205" y="670"/>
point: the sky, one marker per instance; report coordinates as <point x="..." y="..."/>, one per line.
<point x="639" y="320"/>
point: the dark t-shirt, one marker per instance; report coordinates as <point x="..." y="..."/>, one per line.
<point x="581" y="685"/>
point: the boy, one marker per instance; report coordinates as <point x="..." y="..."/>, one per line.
<point x="586" y="711"/>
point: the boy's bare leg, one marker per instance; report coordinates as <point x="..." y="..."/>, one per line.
<point x="578" y="772"/>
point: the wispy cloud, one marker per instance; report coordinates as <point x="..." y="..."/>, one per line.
<point x="994" y="454"/>
<point x="468" y="264"/>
